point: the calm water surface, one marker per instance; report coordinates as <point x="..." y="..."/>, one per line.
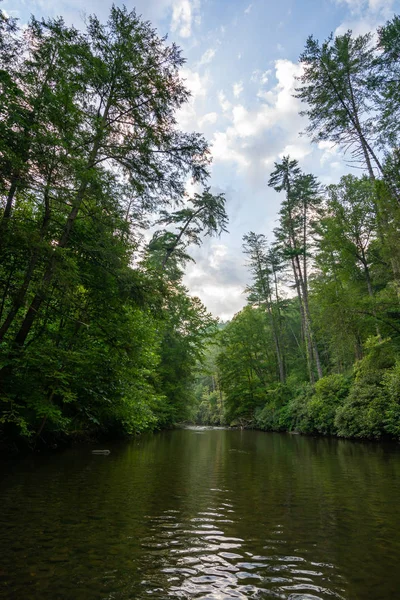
<point x="209" y="514"/>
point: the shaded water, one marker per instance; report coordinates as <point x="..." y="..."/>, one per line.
<point x="210" y="514"/>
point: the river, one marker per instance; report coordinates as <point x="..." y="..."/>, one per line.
<point x="204" y="513"/>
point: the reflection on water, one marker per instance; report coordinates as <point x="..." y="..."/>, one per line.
<point x="221" y="515"/>
<point x="203" y="562"/>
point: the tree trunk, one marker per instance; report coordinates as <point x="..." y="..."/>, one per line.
<point x="281" y="366"/>
<point x="353" y="116"/>
<point x="302" y="292"/>
<point x="26" y="144"/>
<point x="36" y="303"/>
<point x="48" y="275"/>
<point x="21" y="294"/>
<point x="5" y="291"/>
<point x="309" y="331"/>
<point x="369" y="288"/>
<point x="275" y="335"/>
<point x="302" y="313"/>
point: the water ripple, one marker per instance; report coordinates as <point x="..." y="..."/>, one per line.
<point x="210" y="571"/>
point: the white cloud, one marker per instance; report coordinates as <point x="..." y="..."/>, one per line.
<point x="237" y="88"/>
<point x="223" y="149"/>
<point x="298" y="150"/>
<point x="286" y="73"/>
<point x="247" y="123"/>
<point x="358" y="27"/>
<point x="386" y="5"/>
<point x="183" y="15"/>
<point x="357" y="6"/>
<point x="330" y="153"/>
<point x="224" y="103"/>
<point x="208" y="118"/>
<point x="218" y="278"/>
<point x="261" y="77"/>
<point x="207" y="56"/>
<point x="365" y="15"/>
<point x="262" y="133"/>
<point x="197" y="84"/>
<point x="248" y="9"/>
<point x="188" y="116"/>
<point x="354" y="5"/>
<point x="223" y="301"/>
<point x="219" y="253"/>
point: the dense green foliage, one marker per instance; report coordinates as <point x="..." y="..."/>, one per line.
<point x="97" y="333"/>
<point x="317" y="349"/>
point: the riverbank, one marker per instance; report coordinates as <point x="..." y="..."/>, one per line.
<point x="57" y="442"/>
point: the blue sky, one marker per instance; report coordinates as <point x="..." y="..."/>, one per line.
<point x="242" y="60"/>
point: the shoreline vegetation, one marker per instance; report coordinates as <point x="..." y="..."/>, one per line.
<point x="98" y="335"/>
<point x="317" y="348"/>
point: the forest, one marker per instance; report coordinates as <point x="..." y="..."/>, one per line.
<point x="98" y="334"/>
<point x="317" y="348"/>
